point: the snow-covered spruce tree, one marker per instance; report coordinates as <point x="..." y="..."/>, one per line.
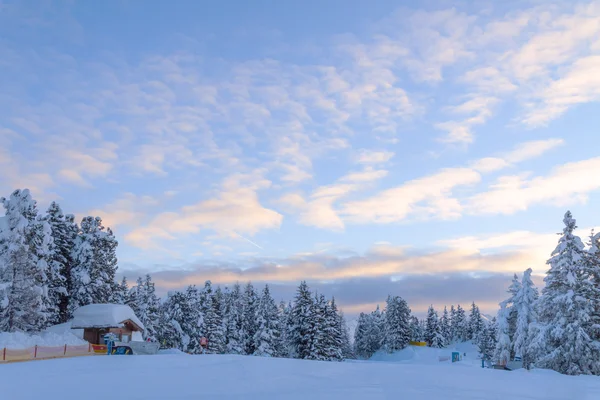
<point x="513" y="289"/>
<point x="318" y="323"/>
<point x="503" y="343"/>
<point x="301" y="324"/>
<point x="416" y="332"/>
<point x="445" y="327"/>
<point x="193" y="323"/>
<point x="376" y="332"/>
<point x="347" y="352"/>
<point x="565" y="310"/>
<point x="333" y="335"/>
<point x="361" y="337"/>
<point x="476" y="323"/>
<point x="285" y="311"/>
<point x="171" y="333"/>
<point x="267" y="335"/>
<point x="433" y="335"/>
<point x="486" y="341"/>
<point x="397" y="324"/>
<point x="121" y="293"/>
<point x="460" y="325"/>
<point x="249" y="323"/>
<point x="95" y="264"/>
<point x="213" y="324"/>
<point x="234" y="329"/>
<point x="60" y="249"/>
<point x="145" y="304"/>
<point x="24" y="241"/>
<point x="592" y="265"/>
<point x="524" y="303"/>
<point x="453" y="336"/>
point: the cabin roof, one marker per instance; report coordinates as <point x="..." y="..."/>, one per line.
<point x="104" y="316"/>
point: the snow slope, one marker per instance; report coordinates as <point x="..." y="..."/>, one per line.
<point x="177" y="377"/>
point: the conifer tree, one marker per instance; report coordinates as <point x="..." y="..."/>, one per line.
<point x="59" y="262"/>
<point x="566" y="312"/>
<point x="433" y="335"/>
<point x="234" y="329"/>
<point x="301" y="324"/>
<point x="476" y="324"/>
<point x="397" y="324"/>
<point x="445" y="327"/>
<point x="24" y="241"/>
<point x="524" y="303"/>
<point x="249" y="324"/>
<point x="503" y="343"/>
<point x="267" y="335"/>
<point x="460" y="325"/>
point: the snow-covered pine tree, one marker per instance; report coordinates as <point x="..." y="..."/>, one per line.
<point x="146" y="305"/>
<point x="24" y="241"/>
<point x="347" y="352"/>
<point x="283" y="315"/>
<point x="513" y="289"/>
<point x="234" y="330"/>
<point x="361" y="337"/>
<point x="476" y="324"/>
<point x="193" y="323"/>
<point x="318" y="323"/>
<point x="453" y="335"/>
<point x="397" y="324"/>
<point x="565" y="310"/>
<point x="524" y="303"/>
<point x="333" y="333"/>
<point x="95" y="264"/>
<point x="171" y="332"/>
<point x="121" y="293"/>
<point x="445" y="327"/>
<point x="59" y="262"/>
<point x="503" y="343"/>
<point x="267" y="335"/>
<point x="433" y="335"/>
<point x="592" y="265"/>
<point x="376" y="332"/>
<point x="213" y="322"/>
<point x="416" y="333"/>
<point x="301" y="323"/>
<point x="487" y="340"/>
<point x="460" y="325"/>
<point x="249" y="323"/>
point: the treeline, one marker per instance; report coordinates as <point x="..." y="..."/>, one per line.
<point x="50" y="265"/>
<point x="243" y="321"/>
<point x="559" y="329"/>
<point x="393" y="329"/>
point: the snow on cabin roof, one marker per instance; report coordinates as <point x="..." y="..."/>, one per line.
<point x="104" y="316"/>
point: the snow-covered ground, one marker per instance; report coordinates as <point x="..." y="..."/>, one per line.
<point x="20" y="340"/>
<point x="178" y="377"/>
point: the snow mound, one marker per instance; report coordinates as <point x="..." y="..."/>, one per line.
<point x="20" y="340"/>
<point x="65" y="328"/>
<point x="176" y="352"/>
<point x="104" y="316"/>
<point x="429" y="355"/>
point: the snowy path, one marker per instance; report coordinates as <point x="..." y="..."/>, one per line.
<point x="179" y="377"/>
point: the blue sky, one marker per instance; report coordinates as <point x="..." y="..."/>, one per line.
<point x="429" y="149"/>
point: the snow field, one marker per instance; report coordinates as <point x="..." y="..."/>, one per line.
<point x="177" y="377"/>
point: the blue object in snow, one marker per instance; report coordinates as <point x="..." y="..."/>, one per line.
<point x="455" y="356"/>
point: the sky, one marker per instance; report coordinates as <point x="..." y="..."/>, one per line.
<point x="423" y="149"/>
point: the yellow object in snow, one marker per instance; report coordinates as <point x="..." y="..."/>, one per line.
<point x="420" y="344"/>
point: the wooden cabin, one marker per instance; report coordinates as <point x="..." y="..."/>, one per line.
<point x="97" y="320"/>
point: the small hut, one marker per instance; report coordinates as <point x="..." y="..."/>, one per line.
<point x="97" y="320"/>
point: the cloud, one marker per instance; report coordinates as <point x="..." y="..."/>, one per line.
<point x="235" y="208"/>
<point x="580" y="84"/>
<point x="565" y="185"/>
<point x="373" y="157"/>
<point x="425" y="197"/>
